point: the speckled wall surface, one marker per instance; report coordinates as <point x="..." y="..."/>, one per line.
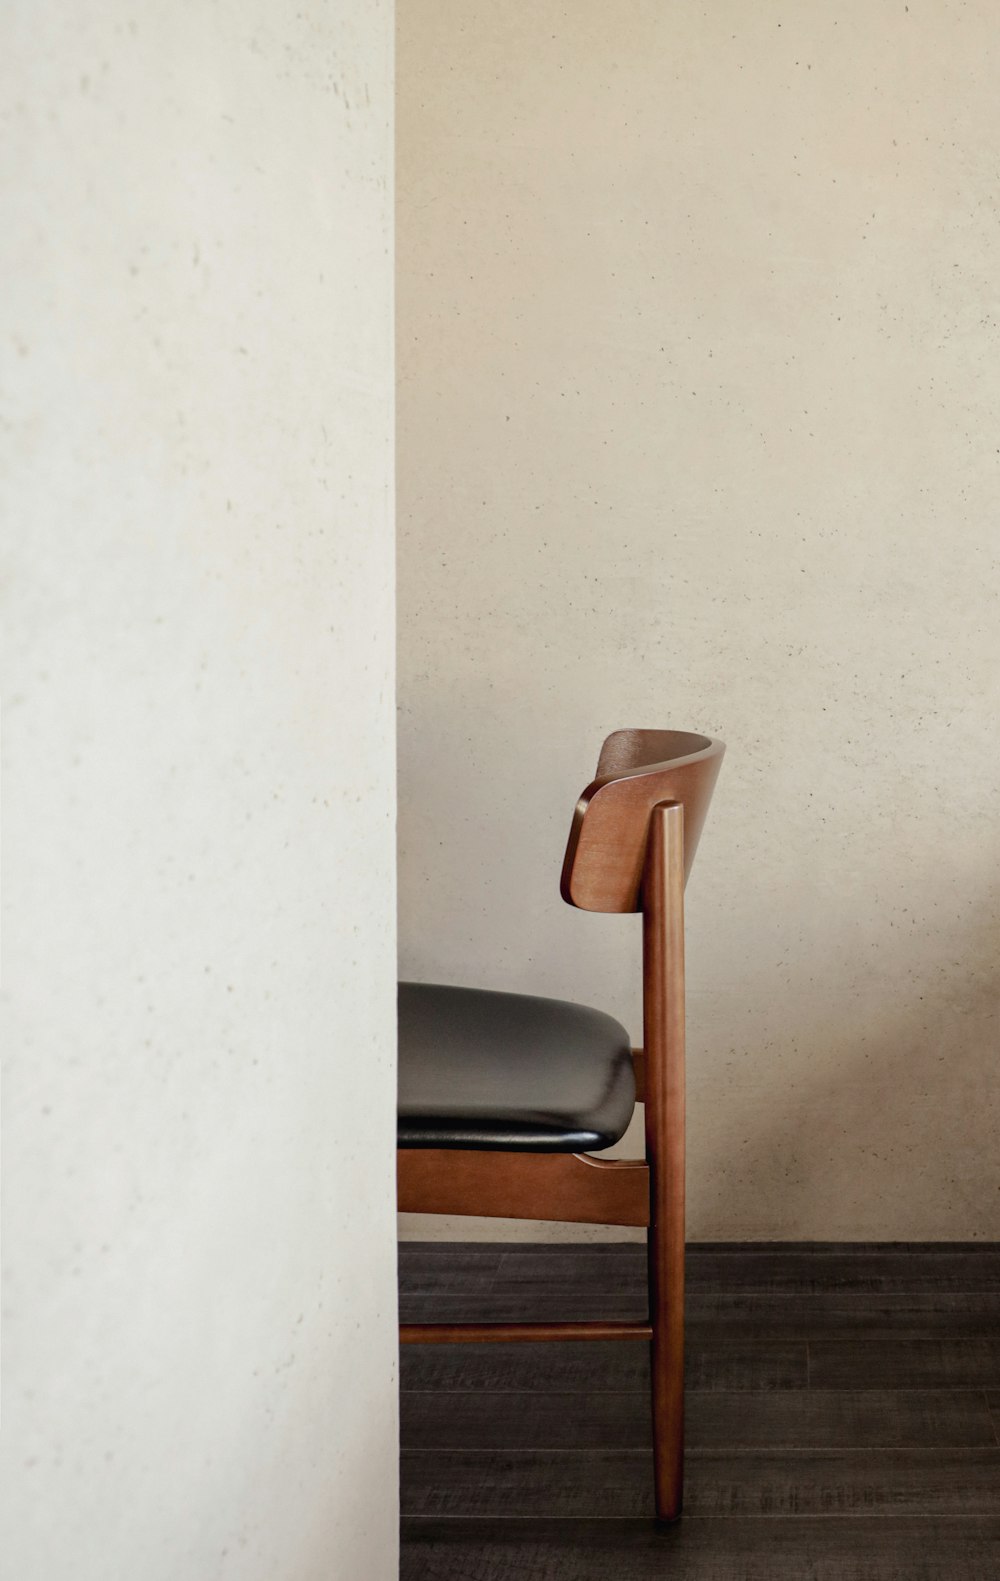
<point x="699" y="409"/>
<point x="198" y="868"/>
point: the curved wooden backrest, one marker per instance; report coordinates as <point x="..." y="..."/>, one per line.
<point x="607" y="842"/>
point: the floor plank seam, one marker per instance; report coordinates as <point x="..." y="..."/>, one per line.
<point x="689" y="1517"/>
<point x="762" y="1452"/>
<point x="708" y="1394"/>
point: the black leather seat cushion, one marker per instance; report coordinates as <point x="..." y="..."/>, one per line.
<point x="486" y="1070"/>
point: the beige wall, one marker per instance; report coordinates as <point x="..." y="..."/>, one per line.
<point x="198" y="867"/>
<point x="699" y="407"/>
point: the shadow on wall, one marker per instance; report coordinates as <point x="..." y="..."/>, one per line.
<point x="857" y="1080"/>
<point x="500" y="819"/>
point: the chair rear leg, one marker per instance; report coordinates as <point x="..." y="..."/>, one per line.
<point x="665" y="1249"/>
<point x="663" y="1017"/>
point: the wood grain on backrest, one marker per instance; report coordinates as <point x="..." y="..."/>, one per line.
<point x="607" y="842"/>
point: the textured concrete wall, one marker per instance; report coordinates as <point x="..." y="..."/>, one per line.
<point x="198" y="866"/>
<point x="699" y="405"/>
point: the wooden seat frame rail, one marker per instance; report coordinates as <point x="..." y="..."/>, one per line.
<point x="582" y="1189"/>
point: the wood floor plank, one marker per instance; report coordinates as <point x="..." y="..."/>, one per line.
<point x="618" y="1483"/>
<point x="794" y="1419"/>
<point x="890" y="1271"/>
<point x="835" y="1313"/>
<point x="412" y="1252"/>
<point x="940" y="1361"/>
<point x="737" y="1319"/>
<point x="465" y="1271"/>
<point x="494" y="1304"/>
<point x="754" y="1315"/>
<point x="550" y="1283"/>
<point x="600" y="1367"/>
<point x="790" y="1549"/>
<point x="752" y="1268"/>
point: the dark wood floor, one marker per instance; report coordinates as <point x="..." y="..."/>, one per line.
<point x="843" y="1417"/>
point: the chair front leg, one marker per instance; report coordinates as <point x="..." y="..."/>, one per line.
<point x="663" y="1017"/>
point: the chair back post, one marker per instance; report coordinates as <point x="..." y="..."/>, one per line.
<point x="662" y="901"/>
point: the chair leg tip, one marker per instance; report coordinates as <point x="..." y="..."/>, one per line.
<point x="668" y="1514"/>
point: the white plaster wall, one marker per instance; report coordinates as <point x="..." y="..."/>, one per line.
<point x="698" y="417"/>
<point x="199" y="1341"/>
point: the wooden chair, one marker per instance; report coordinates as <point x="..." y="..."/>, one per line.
<point x="503" y="1097"/>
